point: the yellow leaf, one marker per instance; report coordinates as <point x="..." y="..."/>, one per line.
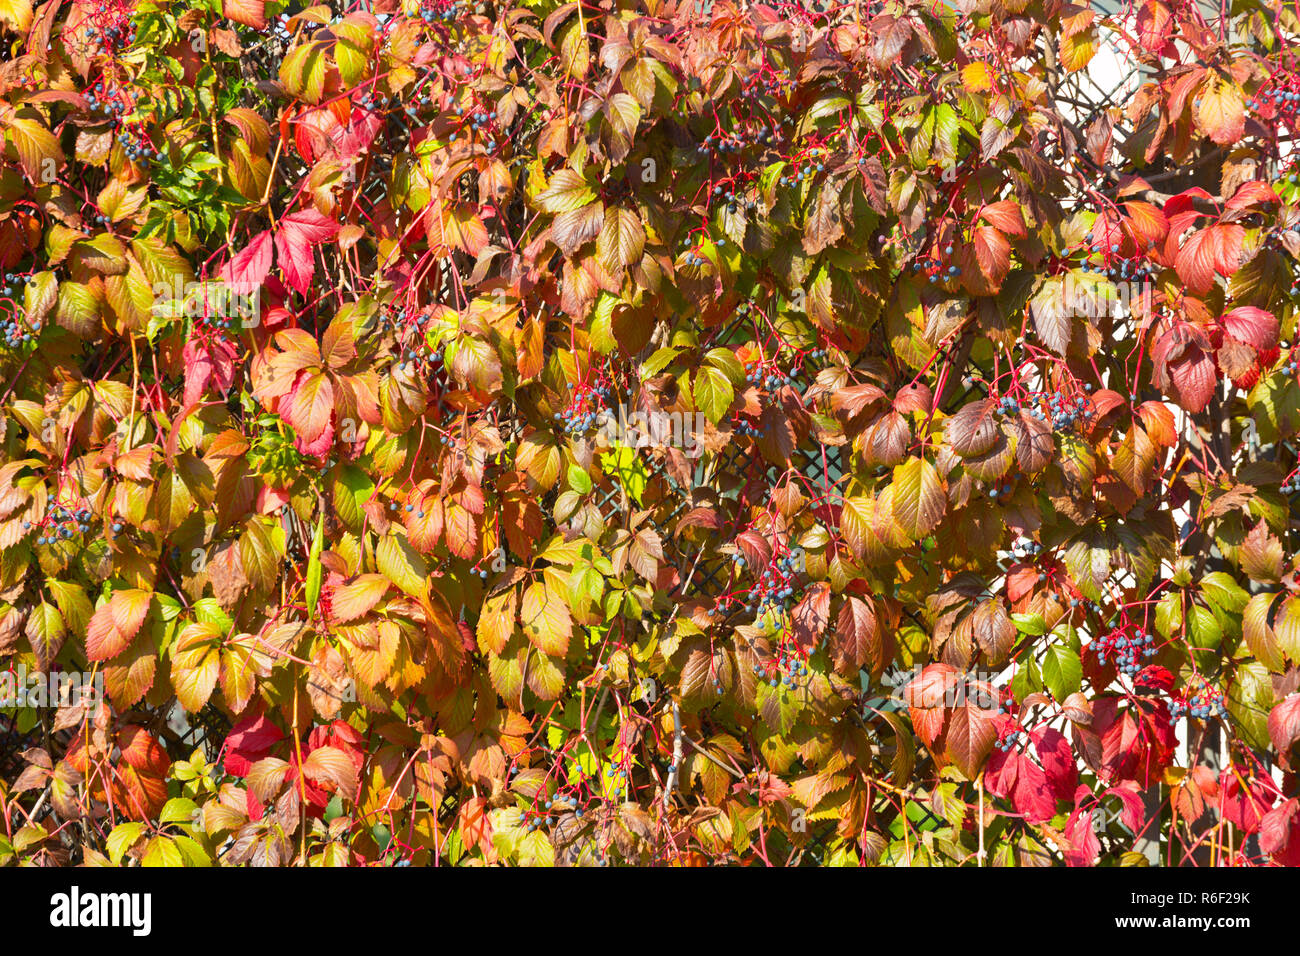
<point x="977" y="77"/>
<point x="1077" y="50"/>
<point x="17" y="14"/>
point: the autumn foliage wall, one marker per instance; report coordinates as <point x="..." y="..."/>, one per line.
<point x="524" y="432"/>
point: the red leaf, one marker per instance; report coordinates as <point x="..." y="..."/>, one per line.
<point x="1243" y="807"/>
<point x="1155" y="26"/>
<point x="308" y="405"/>
<point x="1278" y="833"/>
<point x="1005" y="216"/>
<point x="1194" y="380"/>
<point x="1132" y="816"/>
<point x="316" y="447"/>
<point x="1284" y="723"/>
<point x="249" y="741"/>
<point x="1253" y="193"/>
<point x="1228" y="237"/>
<point x="1058" y="761"/>
<point x="1021" y="581"/>
<point x="1033" y="797"/>
<point x="208" y="363"/>
<point x="298" y="235"/>
<point x="114" y="624"/>
<point x="1084" y="845"/>
<point x="756" y="548"/>
<point x="858" y="633"/>
<point x="1253" y="326"/>
<point x="993" y="253"/>
<point x="1156" y="677"/>
<point x="1145" y="223"/>
<point x="250" y="266"/>
<point x="251" y="13"/>
<point x="1196" y="261"/>
<point x="1184" y="366"/>
<point x="141" y="751"/>
<point x="973" y="430"/>
<point x="925" y="696"/>
<point x="1002" y="769"/>
<point x="970" y="737"/>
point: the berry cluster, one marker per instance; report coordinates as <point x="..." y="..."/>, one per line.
<point x="433" y="11"/>
<point x="10" y="279"/>
<point x="787" y="669"/>
<point x="1028" y="551"/>
<point x="1114" y="266"/>
<point x="765" y="374"/>
<point x="478" y="120"/>
<point x="132" y="138"/>
<point x="15" y="333"/>
<point x="744" y="429"/>
<point x="763" y="81"/>
<point x="1203" y="702"/>
<point x="804" y="169"/>
<point x="62" y="523"/>
<point x="1127" y="652"/>
<point x="1014" y="738"/>
<point x="775" y="588"/>
<point x="417" y="104"/>
<point x="546" y="816"/>
<point x="137" y="146"/>
<point x="1124" y="268"/>
<point x="110" y="29"/>
<point x="936" y="269"/>
<point x="585" y="408"/>
<point x="1002" y="490"/>
<point x="477" y="568"/>
<point x="214" y="324"/>
<point x="692" y="257"/>
<point x="1290" y="367"/>
<point x="1284" y="98"/>
<point x="734" y="201"/>
<point x="621" y="783"/>
<point x="1065" y="410"/>
<point x="409" y="326"/>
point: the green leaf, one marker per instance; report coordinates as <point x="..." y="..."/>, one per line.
<point x="1027" y="680"/>
<point x="566" y="192"/>
<point x="725" y="360"/>
<point x="401" y="564"/>
<point x="314" y="569"/>
<point x="919" y="499"/>
<point x="1062" y="671"/>
<point x="579" y="480"/>
<point x="162" y="851"/>
<point x="178" y="810"/>
<point x="1031" y="624"/>
<point x="1221" y="590"/>
<point x="46" y="631"/>
<point x="713" y="392"/>
<point x="122" y="838"/>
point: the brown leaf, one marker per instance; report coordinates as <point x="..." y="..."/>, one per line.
<point x="226" y="573"/>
